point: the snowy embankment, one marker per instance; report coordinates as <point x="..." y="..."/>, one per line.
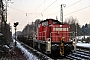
<point x="87" y="45"/>
<point x="81" y="37"/>
<point x="27" y="54"/>
<point x="80" y="44"/>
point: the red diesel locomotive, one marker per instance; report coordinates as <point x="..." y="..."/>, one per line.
<point x="53" y="37"/>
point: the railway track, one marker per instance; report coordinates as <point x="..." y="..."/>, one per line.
<point x="78" y="55"/>
<point x="38" y="54"/>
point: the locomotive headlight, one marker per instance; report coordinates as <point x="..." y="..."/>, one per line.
<point x="48" y="42"/>
<point x="74" y="44"/>
<point x="48" y="45"/>
<point x="71" y="40"/>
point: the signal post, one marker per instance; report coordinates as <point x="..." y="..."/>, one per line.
<point x="15" y="25"/>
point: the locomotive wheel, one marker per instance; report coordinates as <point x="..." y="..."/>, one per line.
<point x="35" y="45"/>
<point x="43" y="47"/>
<point x="66" y="50"/>
<point x="39" y="47"/>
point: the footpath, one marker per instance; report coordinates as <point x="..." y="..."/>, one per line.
<point x="14" y="53"/>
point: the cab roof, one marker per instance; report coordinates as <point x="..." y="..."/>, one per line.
<point x="50" y="19"/>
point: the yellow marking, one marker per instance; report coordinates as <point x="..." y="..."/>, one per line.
<point x="62" y="46"/>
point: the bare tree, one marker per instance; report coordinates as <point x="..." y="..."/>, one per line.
<point x="74" y="25"/>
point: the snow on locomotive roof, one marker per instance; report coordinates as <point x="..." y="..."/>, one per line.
<point x="50" y="19"/>
<point x="58" y="22"/>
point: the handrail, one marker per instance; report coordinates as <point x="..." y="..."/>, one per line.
<point x="41" y="35"/>
<point x="55" y="37"/>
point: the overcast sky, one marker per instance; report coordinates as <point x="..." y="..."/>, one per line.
<point x="27" y="11"/>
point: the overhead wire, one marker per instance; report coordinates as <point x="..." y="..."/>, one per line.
<point x="46" y="8"/>
<point x="29" y="13"/>
<point x="66" y="6"/>
<point x="23" y="11"/>
<point x="51" y="5"/>
<point x="73" y="4"/>
<point x="17" y="9"/>
<point x="77" y="10"/>
<point x="39" y="6"/>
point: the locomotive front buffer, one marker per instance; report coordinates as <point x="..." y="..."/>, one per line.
<point x="48" y="46"/>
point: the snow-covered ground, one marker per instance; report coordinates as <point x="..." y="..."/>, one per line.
<point x="27" y="54"/>
<point x="81" y="37"/>
<point x="79" y="43"/>
<point x="87" y="45"/>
